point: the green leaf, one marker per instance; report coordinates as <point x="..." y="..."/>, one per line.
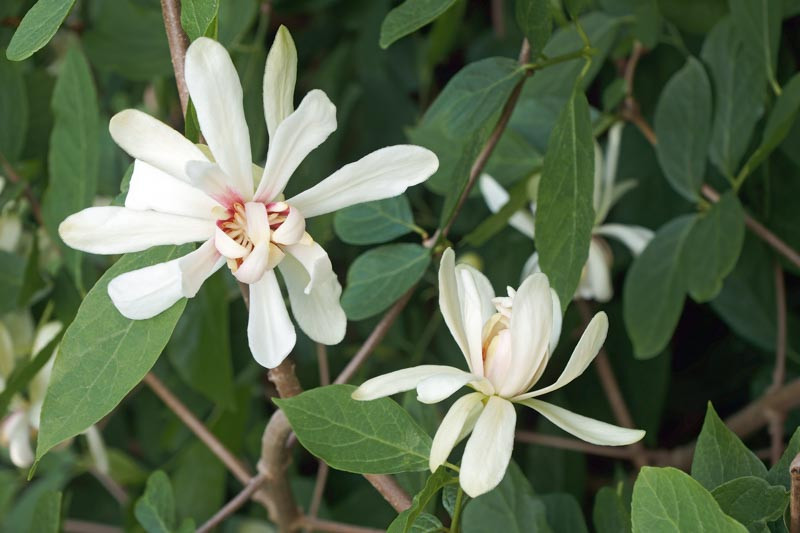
<point x="779" y="473"/>
<point x="779" y="123"/>
<point x="512" y="506"/>
<point x="668" y="500"/>
<point x="103" y="355"/>
<point x="374" y="222"/>
<point x="47" y="515"/>
<point x="155" y="510"/>
<point x="720" y="456"/>
<point x="200" y="348"/>
<point x="426" y="523"/>
<point x="517" y="199"/>
<point x="378" y="277"/>
<point x="564" y="514"/>
<point x="759" y="24"/>
<point x="739" y="91"/>
<point x="565" y="215"/>
<point x="74" y="157"/>
<point x="436" y="481"/>
<point x="751" y="501"/>
<point x="12" y="273"/>
<point x="713" y="247"/>
<point x="197" y="16"/>
<point x="37" y="28"/>
<point x="23" y="373"/>
<point x="535" y="20"/>
<point x="460" y="120"/>
<point x="410" y="16"/>
<point x="611" y="514"/>
<point x="655" y="288"/>
<point x="375" y="437"/>
<point x="683" y="127"/>
<point x="13" y="110"/>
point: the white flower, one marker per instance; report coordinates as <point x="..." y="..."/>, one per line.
<point x="22" y="422"/>
<point x="181" y="193"/>
<point x="595" y="282"/>
<point x="507" y="343"/>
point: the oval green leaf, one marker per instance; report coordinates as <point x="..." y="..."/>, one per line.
<point x="37" y="28"/>
<point x="374" y="222"/>
<point x="410" y="16"/>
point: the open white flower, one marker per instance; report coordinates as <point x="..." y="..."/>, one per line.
<point x="181" y="193"/>
<point x="595" y="282"/>
<point x="507" y="342"/>
<point x="22" y="421"/>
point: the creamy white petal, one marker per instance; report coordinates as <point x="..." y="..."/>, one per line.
<point x="210" y="178"/>
<point x="439" y="387"/>
<point x="151" y="188"/>
<point x="292" y="229"/>
<point x="457" y="423"/>
<point x="254" y="265"/>
<point x="450" y="305"/>
<point x="555" y="332"/>
<point x="384" y="173"/>
<point x="97" y="449"/>
<point x="119" y="230"/>
<point x="483" y="286"/>
<point x="496" y="197"/>
<point x="44" y="335"/>
<point x="531" y="326"/>
<point x="314" y="293"/>
<point x="473" y="315"/>
<point x="582" y="356"/>
<point x="270" y="332"/>
<point x="150" y="140"/>
<point x="15" y="430"/>
<point x="489" y="448"/>
<point x="597" y="197"/>
<point x="7" y="357"/>
<point x="227" y="246"/>
<point x="400" y="381"/>
<point x="280" y="76"/>
<point x="217" y="96"/>
<point x="585" y="428"/>
<point x="636" y="238"/>
<point x="146" y="292"/>
<point x="298" y="134"/>
<point x="595" y="283"/>
<point x="257" y="222"/>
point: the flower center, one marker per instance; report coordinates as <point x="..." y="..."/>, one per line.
<point x="235" y="226"/>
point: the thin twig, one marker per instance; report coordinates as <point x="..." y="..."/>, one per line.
<point x="498" y="18"/>
<point x="178" y="43"/>
<point x="777" y="418"/>
<point x="232" y="506"/>
<point x="198" y="428"/>
<point x="324" y="367"/>
<point x="566" y="443"/>
<point x="116" y="490"/>
<point x="391" y="491"/>
<point x="612" y="390"/>
<point x="283" y="510"/>
<point x="794" y="504"/>
<point x="319" y="489"/>
<point x="315" y="524"/>
<point x="82" y="526"/>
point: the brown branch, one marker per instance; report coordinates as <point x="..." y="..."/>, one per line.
<point x="612" y="389"/>
<point x="178" y="43"/>
<point x="324" y="367"/>
<point x="794" y="503"/>
<point x="315" y="524"/>
<point x="82" y="526"/>
<point x="232" y="506"/>
<point x="565" y="443"/>
<point x="777" y="418"/>
<point x="198" y="428"/>
<point x="319" y="489"/>
<point x="391" y="491"/>
<point x="283" y="510"/>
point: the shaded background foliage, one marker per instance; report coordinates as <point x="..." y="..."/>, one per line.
<point x="111" y="55"/>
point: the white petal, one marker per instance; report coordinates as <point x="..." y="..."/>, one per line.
<point x="531" y="326"/>
<point x="227" y="246"/>
<point x="151" y="188"/>
<point x="150" y="140"/>
<point x="457" y="423"/>
<point x="582" y="356"/>
<point x="595" y="283"/>
<point x="400" y="381"/>
<point x="97" y="449"/>
<point x="257" y="222"/>
<point x="44" y="335"/>
<point x="583" y="427"/>
<point x="314" y="293"/>
<point x="118" y="230"/>
<point x="254" y="265"/>
<point x="597" y="197"/>
<point x="485" y="291"/>
<point x="555" y="332"/>
<point x="146" y="292"/>
<point x="473" y="307"/>
<point x="7" y="356"/>
<point x="280" y="76"/>
<point x="15" y="429"/>
<point x="292" y="229"/>
<point x="210" y="177"/>
<point x="439" y="387"/>
<point x="450" y="305"/>
<point x="496" y="197"/>
<point x="636" y="238"/>
<point x="269" y="331"/>
<point x="299" y="134"/>
<point x="382" y="174"/>
<point x="217" y="96"/>
<point x="489" y="448"/>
